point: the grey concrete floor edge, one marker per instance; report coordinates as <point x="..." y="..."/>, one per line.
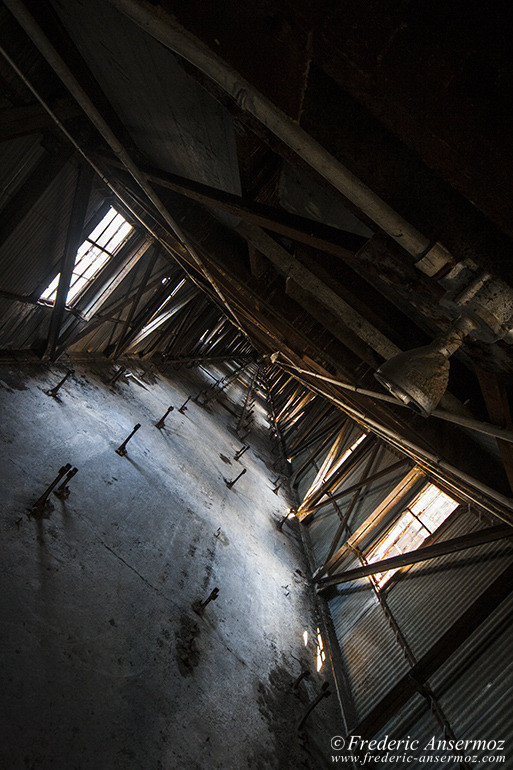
<point x="104" y="662"/>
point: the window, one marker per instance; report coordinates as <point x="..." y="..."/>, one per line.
<point x="92" y="255"/>
<point x="426" y="512"/>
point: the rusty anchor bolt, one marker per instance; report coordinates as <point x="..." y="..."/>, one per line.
<point x="230" y="484"/>
<point x="63" y="490"/>
<point x="43" y="503"/>
<point x="306" y="674"/>
<point x="324" y="693"/>
<point x="239" y="454"/>
<point x="160" y="423"/>
<point x="53" y="392"/>
<point x="183" y="408"/>
<point x="199" y="606"/>
<point x="276" y="489"/>
<point x="121" y="450"/>
<point x="120" y="372"/>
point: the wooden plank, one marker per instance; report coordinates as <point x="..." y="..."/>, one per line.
<point x="315" y="234"/>
<point x="488" y="535"/>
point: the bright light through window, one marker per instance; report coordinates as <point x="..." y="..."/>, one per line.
<point x="320" y="654"/>
<point x="92" y="255"/>
<point x="426" y="512"/>
<point x="341" y="460"/>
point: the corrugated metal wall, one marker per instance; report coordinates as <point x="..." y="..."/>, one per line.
<point x="420" y="604"/>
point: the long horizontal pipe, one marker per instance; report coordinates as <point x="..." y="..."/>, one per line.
<point x="488" y="535"/>
<point x="442" y="414"/>
<point x="173" y="36"/>
<point x="434" y="463"/>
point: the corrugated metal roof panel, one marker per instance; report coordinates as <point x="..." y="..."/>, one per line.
<point x="373" y="660"/>
<point x="324" y="524"/>
<point x="416" y="722"/>
<point x="17" y="160"/>
<point x="475" y="685"/>
<point x="35" y="245"/>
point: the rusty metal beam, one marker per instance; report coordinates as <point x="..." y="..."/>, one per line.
<point x="488" y="535"/>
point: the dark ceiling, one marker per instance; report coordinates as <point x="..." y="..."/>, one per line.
<point x="414" y="98"/>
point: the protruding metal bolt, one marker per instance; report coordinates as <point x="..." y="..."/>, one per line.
<point x="161" y="422"/>
<point x="324" y="693"/>
<point x="183" y="408"/>
<point x="199" y="606"/>
<point x="53" y="392"/>
<point x="230" y="484"/>
<point x="306" y="674"/>
<point x="239" y="454"/>
<point x="120" y="372"/>
<point x="43" y="503"/>
<point x="63" y="490"/>
<point x="121" y="450"/>
<point x="276" y="489"/>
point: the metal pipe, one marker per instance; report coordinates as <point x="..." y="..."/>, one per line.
<point x="230" y="484"/>
<point x="324" y="693"/>
<point x="306" y="674"/>
<point x="239" y="454"/>
<point x="465" y="422"/>
<point x="432" y="462"/>
<point x="182" y="409"/>
<point x="199" y="606"/>
<point x="63" y="490"/>
<point x="167" y="31"/>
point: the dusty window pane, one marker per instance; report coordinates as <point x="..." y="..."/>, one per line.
<point x="92" y="255"/>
